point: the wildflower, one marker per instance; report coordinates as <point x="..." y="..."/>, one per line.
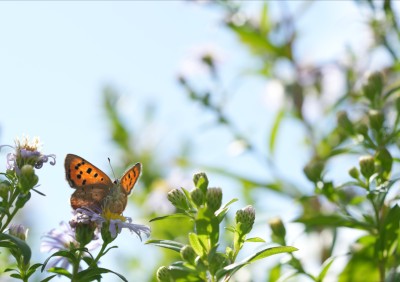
<point x="63" y="239"/>
<point x="27" y="152"/>
<point x="19" y="231"/>
<point x="115" y="222"/>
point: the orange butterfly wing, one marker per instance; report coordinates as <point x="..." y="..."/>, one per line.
<point x="92" y="184"/>
<point x="130" y="178"/>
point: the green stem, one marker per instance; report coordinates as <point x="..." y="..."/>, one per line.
<point x="100" y="254"/>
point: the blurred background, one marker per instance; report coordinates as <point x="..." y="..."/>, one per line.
<point x="241" y="90"/>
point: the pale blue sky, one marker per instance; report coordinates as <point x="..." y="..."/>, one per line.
<point x="55" y="58"/>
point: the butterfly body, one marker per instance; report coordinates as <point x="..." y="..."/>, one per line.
<point x="94" y="189"/>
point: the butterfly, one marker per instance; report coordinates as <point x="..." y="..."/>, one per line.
<point x="94" y="189"/>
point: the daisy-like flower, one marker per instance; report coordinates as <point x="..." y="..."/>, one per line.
<point x="113" y="221"/>
<point x="19" y="231"/>
<point x="27" y="151"/>
<point x="60" y="239"/>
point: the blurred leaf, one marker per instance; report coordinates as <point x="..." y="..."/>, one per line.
<point x="255" y="240"/>
<point x="172" y="245"/>
<point x="333" y="220"/>
<point x="325" y="267"/>
<point x="275" y="130"/>
<point x="174" y="215"/>
<point x="60" y="271"/>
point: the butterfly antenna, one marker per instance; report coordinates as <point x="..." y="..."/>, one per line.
<point x="109" y="162"/>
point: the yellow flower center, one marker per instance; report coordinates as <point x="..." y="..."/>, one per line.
<point x="107" y="214"/>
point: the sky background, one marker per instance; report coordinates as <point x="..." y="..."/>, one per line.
<point x="56" y="57"/>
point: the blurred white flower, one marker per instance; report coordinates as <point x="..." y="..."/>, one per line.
<point x="274" y="95"/>
<point x="237" y="147"/>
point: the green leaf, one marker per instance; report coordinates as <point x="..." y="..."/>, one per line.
<point x="255" y="240"/>
<point x="222" y="211"/>
<point x="60" y="271"/>
<point x="275" y="273"/>
<point x="91" y="274"/>
<point x="21" y="244"/>
<point x="325" y="267"/>
<point x="333" y="220"/>
<point x="48" y="278"/>
<point x="168" y="244"/>
<point x="175" y="215"/>
<point x="196" y="244"/>
<point x="232" y="268"/>
<point x="16" y="275"/>
<point x="275" y="129"/>
<point x="66" y="254"/>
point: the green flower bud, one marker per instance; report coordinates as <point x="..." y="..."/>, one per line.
<point x="217" y="262"/>
<point x="245" y="219"/>
<point x="214" y="198"/>
<point x="19" y="231"/>
<point x="376" y="119"/>
<point x="201" y="181"/>
<point x="278" y="230"/>
<point x="197" y="196"/>
<point x="344" y="122"/>
<point x="367" y="166"/>
<point x="353" y="172"/>
<point x="374" y="86"/>
<point x="28" y="179"/>
<point x="4" y="188"/>
<point x="84" y="233"/>
<point x="313" y="170"/>
<point x="188" y="254"/>
<point x="178" y="199"/>
<point x="22" y="200"/>
<point x="164" y="274"/>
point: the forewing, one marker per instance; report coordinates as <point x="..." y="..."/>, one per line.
<point x="89" y="198"/>
<point x="82" y="174"/>
<point x="130" y="178"/>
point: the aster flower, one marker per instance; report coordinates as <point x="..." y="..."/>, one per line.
<point x="27" y="151"/>
<point x="60" y="239"/>
<point x="19" y="231"/>
<point x="113" y="221"/>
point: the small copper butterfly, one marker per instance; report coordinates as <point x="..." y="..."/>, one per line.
<point x="94" y="189"/>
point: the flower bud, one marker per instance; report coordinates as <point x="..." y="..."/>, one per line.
<point x="19" y="231"/>
<point x="84" y="233"/>
<point x="4" y="188"/>
<point x="201" y="181"/>
<point x="245" y="219"/>
<point x="313" y="170"/>
<point x="22" y="200"/>
<point x="353" y="172"/>
<point x="178" y="199"/>
<point x="278" y="230"/>
<point x="197" y="197"/>
<point x="188" y="254"/>
<point x="164" y="274"/>
<point x="367" y="166"/>
<point x="374" y="86"/>
<point x="214" y="198"/>
<point x="28" y="179"/>
<point x="376" y="119"/>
